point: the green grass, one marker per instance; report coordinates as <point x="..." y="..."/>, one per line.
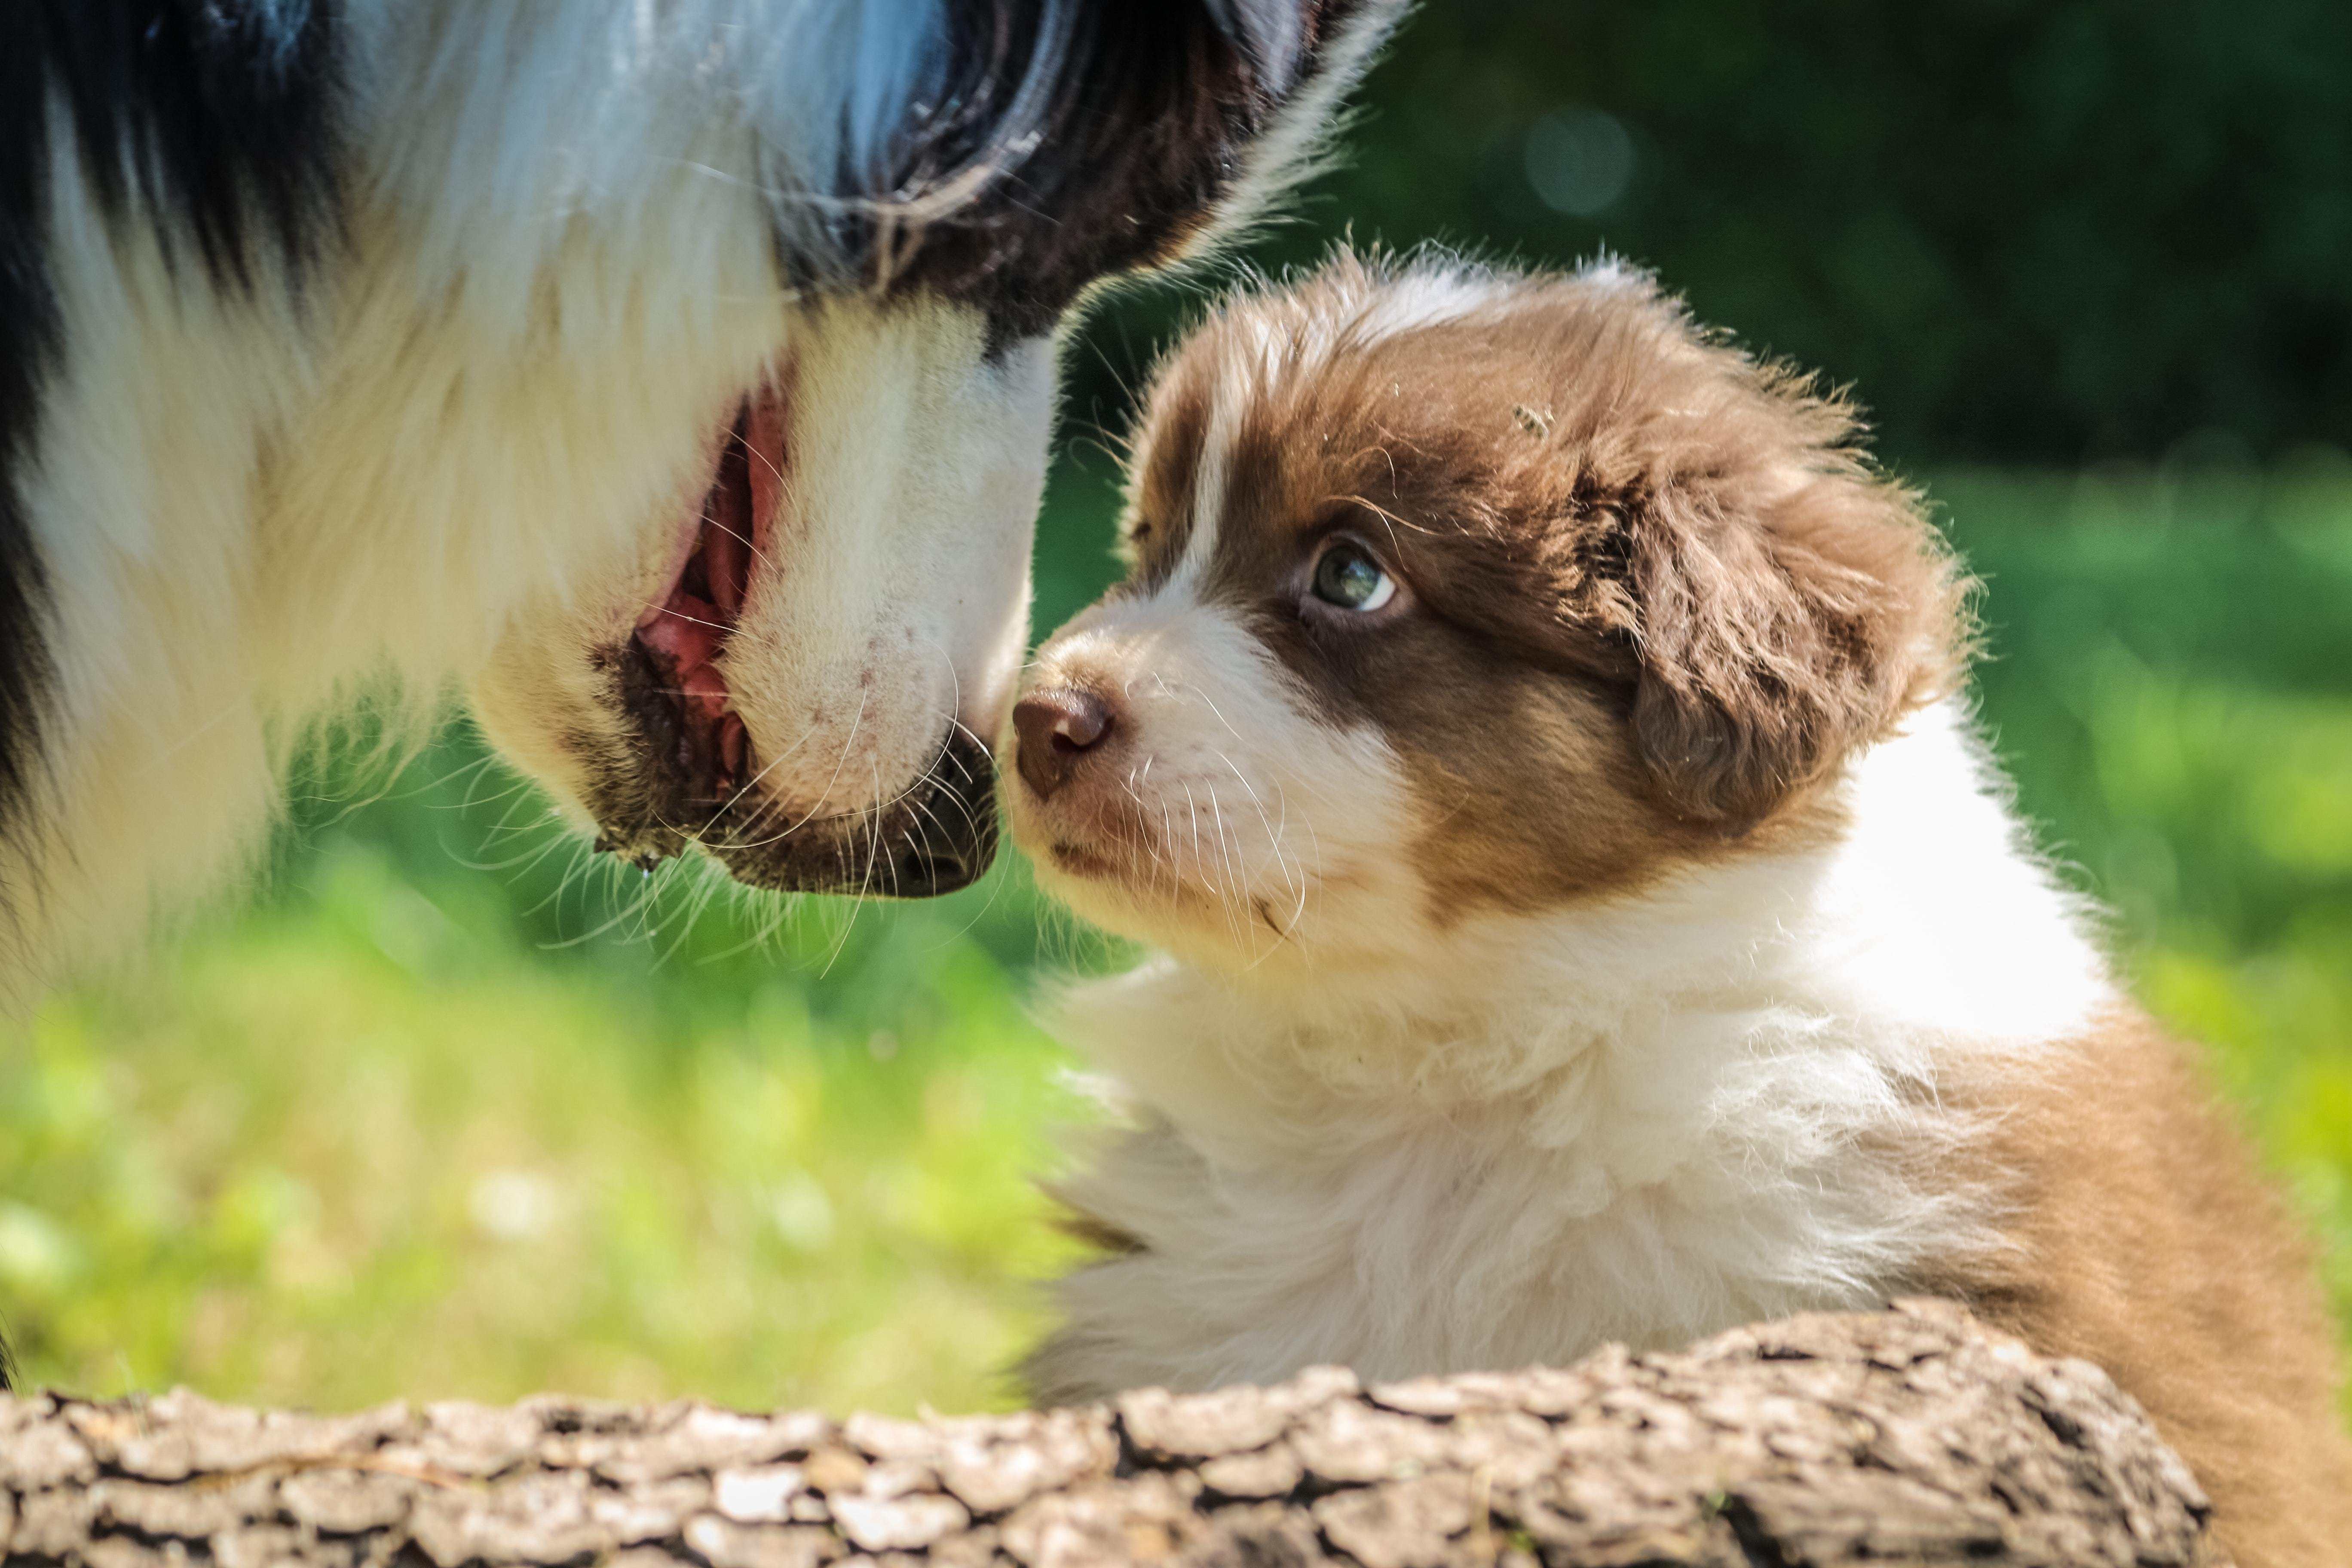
<point x="350" y="1148"/>
<point x="407" y="1127"/>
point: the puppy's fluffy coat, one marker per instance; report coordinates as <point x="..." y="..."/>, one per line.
<point x="1535" y="735"/>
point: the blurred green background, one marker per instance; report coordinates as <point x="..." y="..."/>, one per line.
<point x="452" y="1109"/>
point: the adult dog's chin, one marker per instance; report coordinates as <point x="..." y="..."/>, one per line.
<point x="794" y="678"/>
<point x="692" y="774"/>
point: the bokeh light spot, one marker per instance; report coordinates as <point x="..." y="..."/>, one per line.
<point x="1580" y="160"/>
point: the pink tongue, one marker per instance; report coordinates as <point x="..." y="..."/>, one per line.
<point x="704" y="687"/>
<point x="688" y="631"/>
<point x="764" y="438"/>
<point x="726" y="550"/>
<point x="743" y="503"/>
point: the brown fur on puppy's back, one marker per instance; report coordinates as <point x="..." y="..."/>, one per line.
<point x="2144" y="1240"/>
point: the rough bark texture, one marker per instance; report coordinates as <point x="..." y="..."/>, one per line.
<point x="1913" y="1435"/>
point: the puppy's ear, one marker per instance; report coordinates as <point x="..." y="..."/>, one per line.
<point x="1787" y="612"/>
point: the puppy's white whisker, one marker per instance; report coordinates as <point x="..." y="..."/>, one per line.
<point x="1235" y="870"/>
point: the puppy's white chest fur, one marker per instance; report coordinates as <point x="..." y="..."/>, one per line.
<point x="1711" y="1100"/>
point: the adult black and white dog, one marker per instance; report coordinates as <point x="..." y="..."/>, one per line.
<point x="675" y="373"/>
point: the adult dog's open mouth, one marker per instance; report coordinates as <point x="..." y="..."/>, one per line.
<point x="696" y="775"/>
<point x="683" y="636"/>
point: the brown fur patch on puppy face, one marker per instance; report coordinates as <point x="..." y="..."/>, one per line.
<point x="1643" y="592"/>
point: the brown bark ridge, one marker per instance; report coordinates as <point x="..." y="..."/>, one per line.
<point x="1911" y="1436"/>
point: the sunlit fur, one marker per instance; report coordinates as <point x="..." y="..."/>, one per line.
<point x="1853" y="1049"/>
<point x="470" y="431"/>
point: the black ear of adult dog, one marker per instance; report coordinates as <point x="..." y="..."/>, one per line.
<point x="1141" y="127"/>
<point x="214" y="120"/>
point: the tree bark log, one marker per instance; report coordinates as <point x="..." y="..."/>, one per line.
<point x="1914" y="1436"/>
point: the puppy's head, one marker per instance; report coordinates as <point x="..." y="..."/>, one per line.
<point x="1452" y="592"/>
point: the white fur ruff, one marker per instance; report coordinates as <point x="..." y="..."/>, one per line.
<point x="1643" y="1120"/>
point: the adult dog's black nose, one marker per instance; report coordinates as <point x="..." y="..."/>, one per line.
<point x="1057" y="730"/>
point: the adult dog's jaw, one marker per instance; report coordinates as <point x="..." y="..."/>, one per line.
<point x="694" y="777"/>
<point x="794" y="676"/>
<point x="672" y="683"/>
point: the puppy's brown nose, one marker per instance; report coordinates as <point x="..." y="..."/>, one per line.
<point x="1058" y="729"/>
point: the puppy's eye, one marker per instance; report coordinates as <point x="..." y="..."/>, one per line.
<point x="1349" y="577"/>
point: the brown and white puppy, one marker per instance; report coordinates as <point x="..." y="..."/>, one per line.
<point x="1535" y="735"/>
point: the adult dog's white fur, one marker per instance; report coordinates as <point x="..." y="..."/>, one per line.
<point x="472" y="433"/>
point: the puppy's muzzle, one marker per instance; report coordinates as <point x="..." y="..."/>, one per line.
<point x="1060" y="732"/>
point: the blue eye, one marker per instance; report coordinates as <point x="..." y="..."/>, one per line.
<point x="1349" y="577"/>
